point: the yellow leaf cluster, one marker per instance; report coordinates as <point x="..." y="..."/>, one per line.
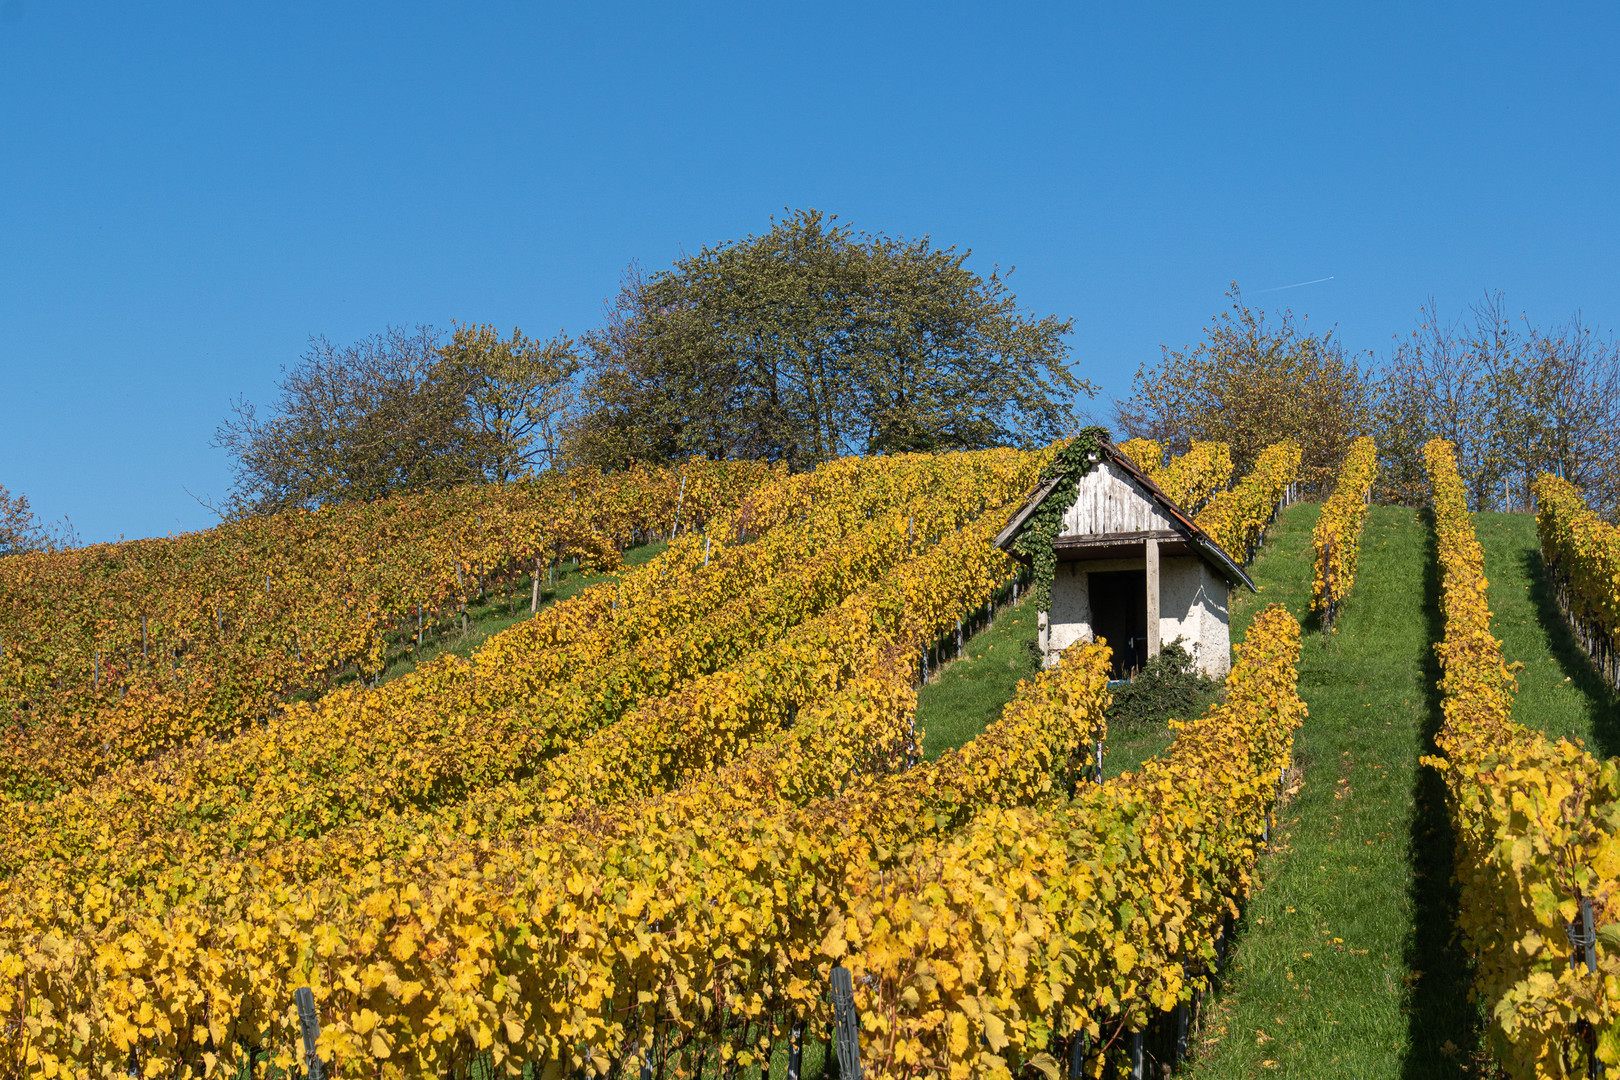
<point x="1337" y="536"/>
<point x="1537" y="823"/>
<point x="1237" y="518"/>
<point x="1191" y="479"/>
<point x="703" y="909"/>
<point x="519" y="920"/>
<point x="114" y="652"/>
<point x="1148" y="455"/>
<point x="1079" y="913"/>
<point x="458" y="729"/>
<point x="1583" y="552"/>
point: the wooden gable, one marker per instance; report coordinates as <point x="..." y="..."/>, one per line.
<point x="1107" y="500"/>
<point x="1116" y="508"/>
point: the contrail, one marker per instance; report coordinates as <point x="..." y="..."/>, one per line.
<point x="1296" y="285"/>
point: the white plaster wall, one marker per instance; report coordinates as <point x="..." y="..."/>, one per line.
<point x="1070" y="618"/>
<point x="1193" y="604"/>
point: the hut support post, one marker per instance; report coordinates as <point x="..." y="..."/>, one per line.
<point x="1152" y="597"/>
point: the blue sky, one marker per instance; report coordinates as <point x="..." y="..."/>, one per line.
<point x="187" y="192"/>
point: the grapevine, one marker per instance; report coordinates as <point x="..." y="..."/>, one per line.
<point x="117" y="651"/>
<point x="1145" y="454"/>
<point x="1191" y="479"/>
<point x="1583" y="553"/>
<point x="454" y="726"/>
<point x="1237" y="519"/>
<point x="387" y="931"/>
<point x="124" y="838"/>
<point x="1538" y="830"/>
<point x="1337" y="536"/>
<point x="1086" y="917"/>
<point x="681" y="876"/>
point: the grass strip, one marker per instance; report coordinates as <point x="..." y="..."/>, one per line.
<point x="1561" y="693"/>
<point x="1344" y="964"/>
<point x="969" y="693"/>
<point x="498" y="611"/>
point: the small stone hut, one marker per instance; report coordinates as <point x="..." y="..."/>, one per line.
<point x="1132" y="568"/>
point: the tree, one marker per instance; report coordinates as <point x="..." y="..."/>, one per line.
<point x="519" y="395"/>
<point x="814" y="341"/>
<point x="1514" y="399"/>
<point x="403" y="410"/>
<point x="1568" y="415"/>
<point x="357" y="422"/>
<point x="1249" y="384"/>
<point x="21" y="531"/>
<point x="953" y="363"/>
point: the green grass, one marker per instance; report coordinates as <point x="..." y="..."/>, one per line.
<point x="1126" y="749"/>
<point x="1281" y="572"/>
<point x="1130" y="743"/>
<point x="968" y="693"/>
<point x="1344" y="964"/>
<point x="1560" y="691"/>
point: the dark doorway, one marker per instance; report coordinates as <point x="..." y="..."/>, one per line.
<point x="1119" y="613"/>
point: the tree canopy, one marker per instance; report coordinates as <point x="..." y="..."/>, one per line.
<point x="1515" y="399"/>
<point x="519" y="394"/>
<point x="814" y="341"/>
<point x="1252" y="382"/>
<point x="399" y="411"/>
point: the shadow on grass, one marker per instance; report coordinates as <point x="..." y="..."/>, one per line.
<point x="1572" y="659"/>
<point x="1443" y="1024"/>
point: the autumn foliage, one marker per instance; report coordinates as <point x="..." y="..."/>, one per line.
<point x="1237" y="518"/>
<point x="1336" y="539"/>
<point x="114" y="652"/>
<point x="1583" y="551"/>
<point x="647" y="822"/>
<point x="1538" y="831"/>
<point x="1191" y="479"/>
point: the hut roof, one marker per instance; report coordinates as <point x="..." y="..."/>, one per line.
<point x="1182" y="523"/>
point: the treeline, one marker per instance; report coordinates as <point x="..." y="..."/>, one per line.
<point x="810" y="342"/>
<point x="814" y="341"/>
<point x="1515" y="399"/>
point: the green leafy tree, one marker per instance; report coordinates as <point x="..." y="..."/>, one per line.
<point x="814" y="341"/>
<point x="1250" y="383"/>
<point x="354" y="422"/>
<point x="519" y="395"/>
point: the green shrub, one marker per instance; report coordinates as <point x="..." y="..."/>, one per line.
<point x="1169" y="685"/>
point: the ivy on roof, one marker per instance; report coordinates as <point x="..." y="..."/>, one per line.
<point x="1040" y="529"/>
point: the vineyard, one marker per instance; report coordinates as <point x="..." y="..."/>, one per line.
<point x="681" y="824"/>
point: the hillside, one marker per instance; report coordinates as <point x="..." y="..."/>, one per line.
<point x="1337" y="970"/>
<point x="700" y="773"/>
<point x="1560" y="693"/>
<point x="1345" y="964"/>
